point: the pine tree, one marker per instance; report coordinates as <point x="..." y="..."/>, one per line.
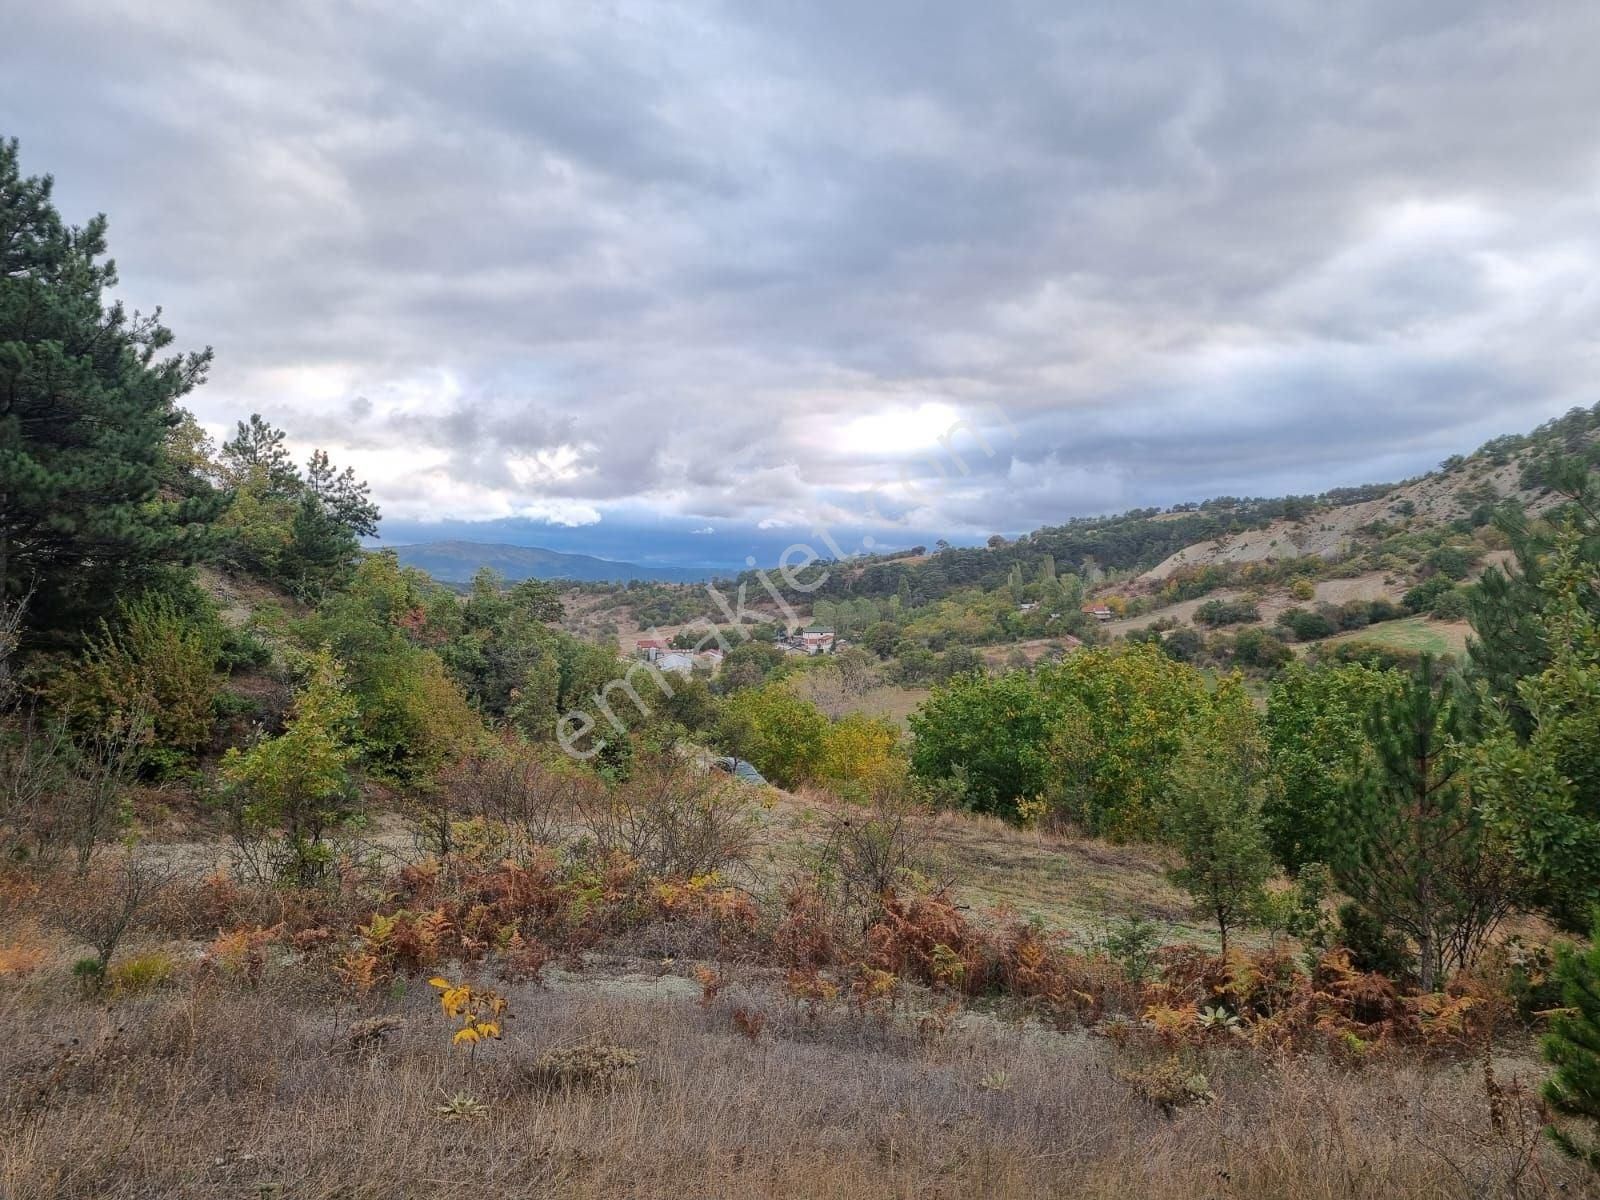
<point x="1542" y="785"/>
<point x="321" y="554"/>
<point x="1509" y="618"/>
<point x="256" y="450"/>
<point x="303" y="530"/>
<point x="1418" y="854"/>
<point x="86" y="404"/>
<point x="1573" y="1047"/>
<point x="345" y="498"/>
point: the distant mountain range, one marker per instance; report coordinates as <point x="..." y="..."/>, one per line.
<point x="456" y="562"/>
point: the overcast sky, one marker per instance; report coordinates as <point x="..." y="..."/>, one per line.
<point x="678" y="282"/>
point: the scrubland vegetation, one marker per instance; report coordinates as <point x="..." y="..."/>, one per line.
<point x="306" y="891"/>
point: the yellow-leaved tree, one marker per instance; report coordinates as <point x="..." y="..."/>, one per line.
<point x="858" y="751"/>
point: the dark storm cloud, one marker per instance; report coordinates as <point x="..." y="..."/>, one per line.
<point x="740" y="265"/>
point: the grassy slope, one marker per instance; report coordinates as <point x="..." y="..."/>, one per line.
<point x="219" y="1090"/>
<point x="1421" y="634"/>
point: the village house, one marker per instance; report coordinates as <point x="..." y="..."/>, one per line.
<point x="1100" y="612"/>
<point x="813" y="639"/>
<point x="816" y="639"/>
<point x="675" y="662"/>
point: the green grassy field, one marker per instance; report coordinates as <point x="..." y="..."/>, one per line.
<point x="1420" y="634"/>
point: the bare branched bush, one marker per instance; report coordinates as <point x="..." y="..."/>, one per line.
<point x="674" y="820"/>
<point x="11" y="614"/>
<point x="834" y="691"/>
<point x="101" y="907"/>
<point x="107" y="761"/>
<point x="35" y="772"/>
<point x="874" y="848"/>
<point x="514" y="787"/>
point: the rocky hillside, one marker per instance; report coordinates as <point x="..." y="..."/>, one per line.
<point x="1437" y="498"/>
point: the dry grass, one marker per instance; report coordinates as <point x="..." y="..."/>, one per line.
<point x="210" y="1091"/>
<point x="731" y="1078"/>
<point x="1071" y="884"/>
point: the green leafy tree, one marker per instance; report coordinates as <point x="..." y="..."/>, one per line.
<point x="1316" y="738"/>
<point x="88" y="398"/>
<point x="1213" y="816"/>
<point x="412" y="715"/>
<point x="1418" y="853"/>
<point x="750" y="663"/>
<point x="1118" y="719"/>
<point x="782" y="734"/>
<point x="1572" y="1047"/>
<point x="300" y="785"/>
<point x="988" y="732"/>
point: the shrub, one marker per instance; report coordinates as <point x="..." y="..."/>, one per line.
<point x="1226" y="612"/>
<point x="242" y="649"/>
<point x="299" y="785"/>
<point x="1170" y="1084"/>
<point x="511" y="785"/>
<point x="156" y="662"/>
<point x="874" y="849"/>
<point x="1305" y="626"/>
<point x="1450" y="606"/>
<point x="595" y="1066"/>
<point x="1384" y="609"/>
<point x="1359" y="652"/>
<point x="1452" y="562"/>
<point x="672" y="820"/>
<point x="1573" y="1048"/>
<point x="1373" y="947"/>
<point x="1426" y="594"/>
<point x="99" y="911"/>
<point x="140" y="974"/>
<point x="414" y="718"/>
<point x="34" y="774"/>
<point x="1132" y="943"/>
<point x="1183" y="645"/>
<point x="1258" y="648"/>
